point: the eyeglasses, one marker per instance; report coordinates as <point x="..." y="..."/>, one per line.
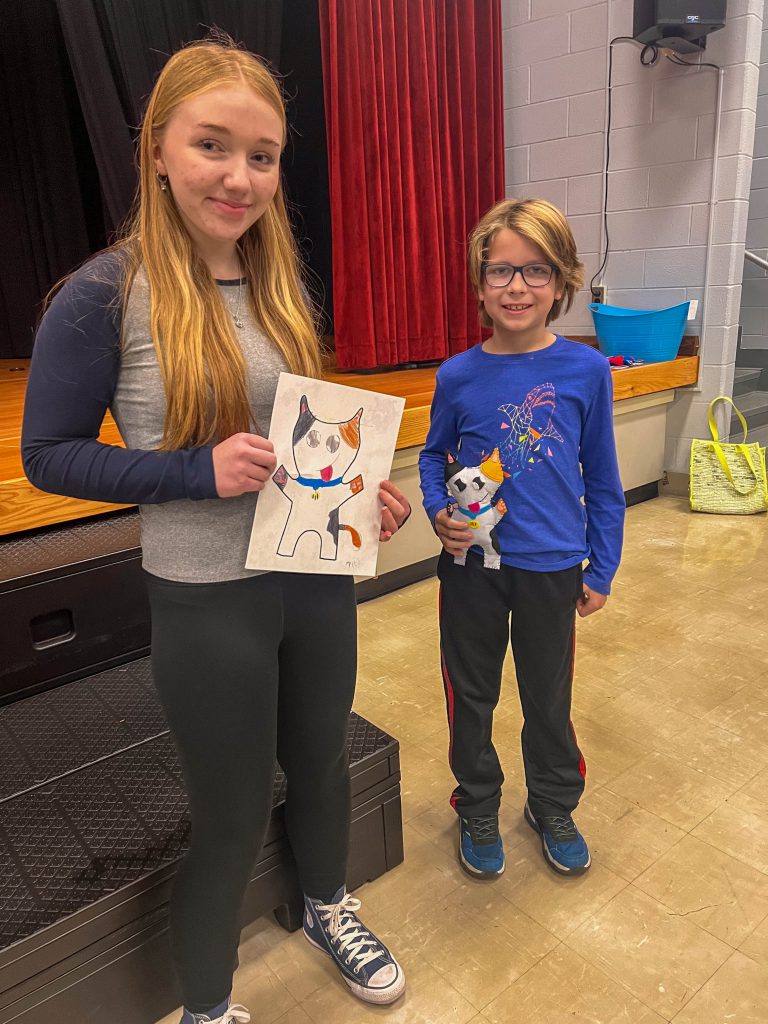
<point x="535" y="275"/>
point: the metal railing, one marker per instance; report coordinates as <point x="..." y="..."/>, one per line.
<point x="754" y="258"/>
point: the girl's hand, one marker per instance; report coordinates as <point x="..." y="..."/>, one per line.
<point x="395" y="511"/>
<point x="454" y="535"/>
<point x="242" y="463"/>
<point x="589" y="602"/>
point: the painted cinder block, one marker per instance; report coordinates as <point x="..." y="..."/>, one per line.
<point x="652" y="228"/>
<point x="536" y="122"/>
<point x="628" y="189"/>
<point x="582" y="154"/>
<point x="589" y="27"/>
<point x="568" y="75"/>
<point x="585" y="193"/>
<point x="631" y="104"/>
<point x="682" y="264"/>
<point x="535" y="41"/>
<point x="680" y="184"/>
<point x="586" y="113"/>
<point x="516" y="163"/>
<point x="667" y="142"/>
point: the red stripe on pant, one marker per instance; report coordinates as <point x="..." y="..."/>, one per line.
<point x="582" y="762"/>
<point x="448" y="686"/>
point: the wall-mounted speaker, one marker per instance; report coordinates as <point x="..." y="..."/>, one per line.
<point x="681" y="25"/>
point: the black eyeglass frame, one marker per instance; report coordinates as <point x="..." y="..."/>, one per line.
<point x="521" y="271"/>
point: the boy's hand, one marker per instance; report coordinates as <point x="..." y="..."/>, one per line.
<point x="455" y="536"/>
<point x="589" y="602"/>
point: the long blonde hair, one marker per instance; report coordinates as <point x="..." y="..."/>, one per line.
<point x="202" y="364"/>
<point x="544" y="225"/>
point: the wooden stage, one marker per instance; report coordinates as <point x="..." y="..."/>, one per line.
<point x="23" y="507"/>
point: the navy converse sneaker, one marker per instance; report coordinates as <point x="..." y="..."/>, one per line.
<point x="225" y="1014"/>
<point x="481" y="852"/>
<point x="563" y="845"/>
<point x="366" y="965"/>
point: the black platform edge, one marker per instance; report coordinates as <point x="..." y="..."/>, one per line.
<point x="639" y="494"/>
<point x="366" y="590"/>
<point x="74" y="676"/>
<point x="41" y="554"/>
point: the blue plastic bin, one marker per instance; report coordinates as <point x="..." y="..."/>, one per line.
<point x="653" y="335"/>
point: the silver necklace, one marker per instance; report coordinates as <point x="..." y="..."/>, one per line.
<point x="236" y="316"/>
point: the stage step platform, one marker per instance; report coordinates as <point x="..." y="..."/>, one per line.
<point x="93" y="814"/>
<point x="93" y="820"/>
<point x="72" y="601"/>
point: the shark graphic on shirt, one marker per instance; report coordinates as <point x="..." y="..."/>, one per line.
<point x="528" y="428"/>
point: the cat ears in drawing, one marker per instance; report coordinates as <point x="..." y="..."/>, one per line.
<point x="304" y="410"/>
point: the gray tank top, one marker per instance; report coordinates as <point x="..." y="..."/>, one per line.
<point x="190" y="541"/>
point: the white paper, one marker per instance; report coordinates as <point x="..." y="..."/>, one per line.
<point x="320" y="510"/>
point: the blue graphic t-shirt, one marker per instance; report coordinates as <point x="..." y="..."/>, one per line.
<point x="550" y="415"/>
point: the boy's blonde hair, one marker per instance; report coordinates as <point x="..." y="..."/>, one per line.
<point x="540" y="223"/>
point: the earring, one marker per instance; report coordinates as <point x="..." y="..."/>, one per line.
<point x="163" y="181"/>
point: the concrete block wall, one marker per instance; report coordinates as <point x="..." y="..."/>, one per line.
<point x="662" y="136"/>
<point x="754" y="296"/>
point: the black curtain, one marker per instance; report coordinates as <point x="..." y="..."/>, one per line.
<point x="117" y="48"/>
<point x="305" y="163"/>
<point x="50" y="200"/>
<point x="75" y="75"/>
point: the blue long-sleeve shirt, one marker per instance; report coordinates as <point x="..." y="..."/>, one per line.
<point x="550" y="414"/>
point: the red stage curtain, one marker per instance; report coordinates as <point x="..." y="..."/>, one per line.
<point x="414" y="112"/>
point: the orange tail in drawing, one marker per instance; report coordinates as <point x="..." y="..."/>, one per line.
<point x="355" y="536"/>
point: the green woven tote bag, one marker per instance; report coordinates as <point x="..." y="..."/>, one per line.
<point x="727" y="479"/>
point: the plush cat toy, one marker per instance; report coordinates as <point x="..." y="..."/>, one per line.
<point x="323" y="453"/>
<point x="473" y="487"/>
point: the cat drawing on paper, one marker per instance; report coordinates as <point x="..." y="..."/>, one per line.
<point x="323" y="452"/>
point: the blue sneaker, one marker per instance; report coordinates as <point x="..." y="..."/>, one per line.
<point x="366" y="965"/>
<point x="229" y="1015"/>
<point x="481" y="852"/>
<point x="563" y="845"/>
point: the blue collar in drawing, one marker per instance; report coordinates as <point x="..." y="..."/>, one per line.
<point x="474" y="515"/>
<point x="306" y="481"/>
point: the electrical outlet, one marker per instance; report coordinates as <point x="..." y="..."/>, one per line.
<point x="693" y="308"/>
<point x="598" y="293"/>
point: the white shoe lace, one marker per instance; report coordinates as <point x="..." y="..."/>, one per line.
<point x="348" y="931"/>
<point x="236" y="1014"/>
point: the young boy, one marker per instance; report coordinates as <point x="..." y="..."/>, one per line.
<point x="545" y="404"/>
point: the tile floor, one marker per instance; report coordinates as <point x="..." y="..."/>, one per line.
<point x="671" y="709"/>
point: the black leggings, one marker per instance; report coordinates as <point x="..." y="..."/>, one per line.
<point x="247" y="671"/>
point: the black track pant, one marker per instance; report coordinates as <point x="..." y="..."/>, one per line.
<point x="249" y="671"/>
<point x="475" y="608"/>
